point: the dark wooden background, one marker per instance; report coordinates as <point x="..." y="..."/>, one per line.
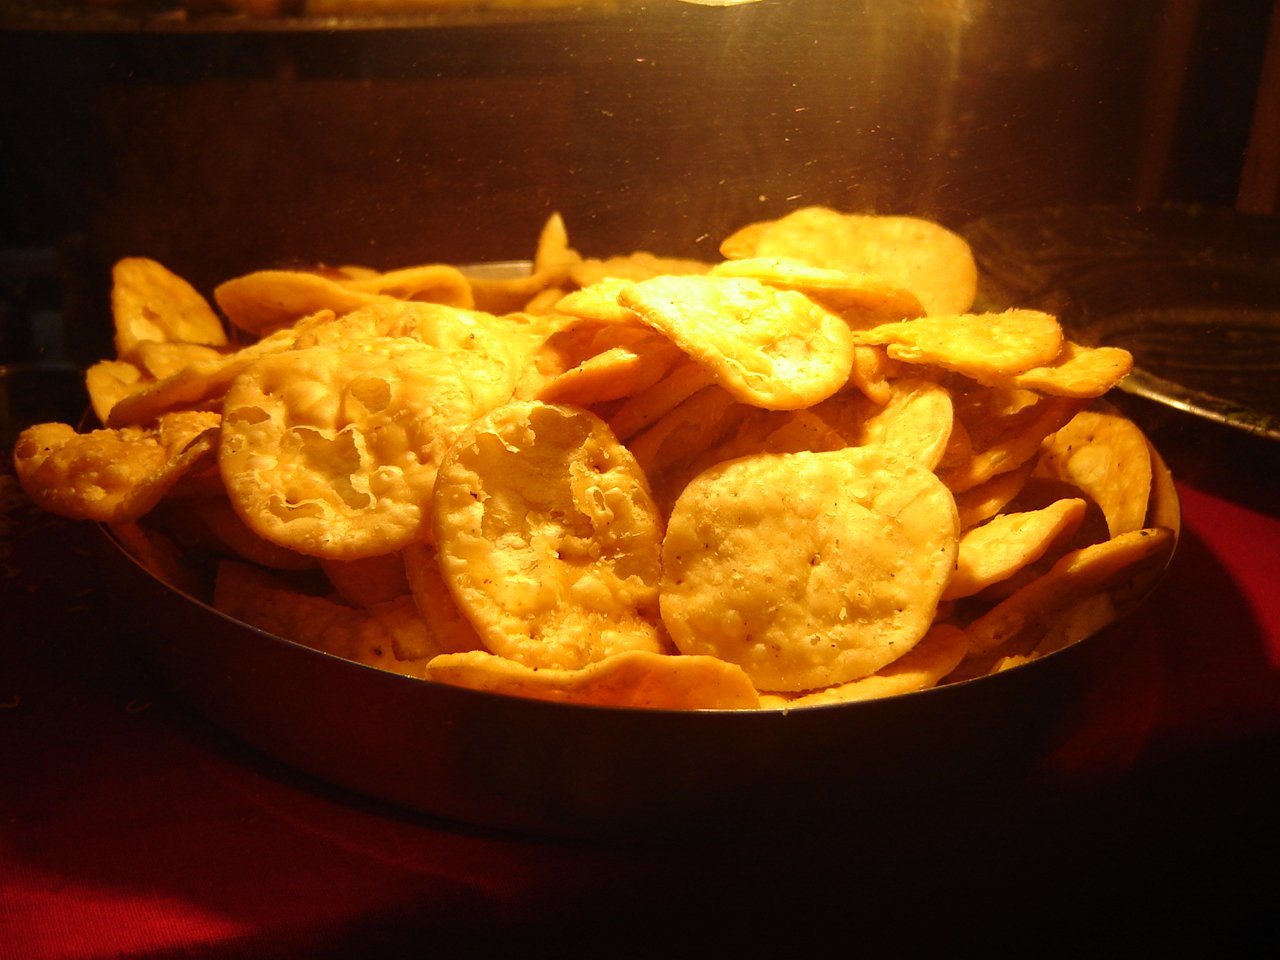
<point x="662" y="127"/>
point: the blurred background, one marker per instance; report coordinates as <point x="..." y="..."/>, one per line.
<point x="220" y="143"/>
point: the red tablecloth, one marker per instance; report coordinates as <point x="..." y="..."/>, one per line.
<point x="130" y="827"/>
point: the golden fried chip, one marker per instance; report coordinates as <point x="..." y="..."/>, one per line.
<point x="205" y="522"/>
<point x="711" y="427"/>
<point x="1106" y="456"/>
<point x="640" y="265"/>
<point x="1004" y="428"/>
<point x="871" y="371"/>
<point x="390" y="636"/>
<point x="429" y="283"/>
<point x="598" y="302"/>
<point x="1007" y="543"/>
<point x="586" y="361"/>
<point x="920" y="668"/>
<point x="111" y="476"/>
<point x="861" y="299"/>
<point x="490" y="352"/>
<point x="808" y="569"/>
<point x="916" y="420"/>
<point x="630" y="679"/>
<point x="936" y="265"/>
<point x="368" y="580"/>
<point x="110" y="381"/>
<point x="666" y="450"/>
<point x="548" y="537"/>
<point x="770" y="348"/>
<point x="1078" y="371"/>
<point x="1028" y="614"/>
<point x="150" y="302"/>
<point x="200" y="385"/>
<point x="160" y="359"/>
<point x="553" y="256"/>
<point x="984" y="501"/>
<point x="448" y="624"/>
<point x="1077" y="622"/>
<point x="984" y="346"/>
<point x="267" y="300"/>
<point x="613" y="374"/>
<point x="333" y="452"/>
<point x="648" y="406"/>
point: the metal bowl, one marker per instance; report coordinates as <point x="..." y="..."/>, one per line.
<point x="579" y="771"/>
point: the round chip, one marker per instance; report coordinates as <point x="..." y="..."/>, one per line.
<point x="491" y="352"/>
<point x="333" y="452"/>
<point x="768" y="347"/>
<point x="808" y="569"/>
<point x="548" y="537"/>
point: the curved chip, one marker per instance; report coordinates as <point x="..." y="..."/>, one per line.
<point x="1028" y="614"/>
<point x="112" y="476"/>
<point x="1078" y="371"/>
<point x="200" y="384"/>
<point x="1107" y="456"/>
<point x="429" y="283"/>
<point x="1004" y="429"/>
<point x="711" y="427"/>
<point x="110" y="381"/>
<point x="770" y="348"/>
<point x="502" y="290"/>
<point x="916" y="420"/>
<point x="861" y="299"/>
<point x="389" y="635"/>
<point x="1005" y="544"/>
<point x="640" y="265"/>
<point x="639" y="679"/>
<point x="984" y="346"/>
<point x="150" y="302"/>
<point x="548" y="537"/>
<point x="333" y="452"/>
<point x="808" y="569"/>
<point x="935" y="264"/>
<point x="266" y="300"/>
<point x="434" y="601"/>
<point x="645" y="408"/>
<point x="920" y="668"/>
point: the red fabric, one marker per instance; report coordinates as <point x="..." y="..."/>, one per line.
<point x="130" y="828"/>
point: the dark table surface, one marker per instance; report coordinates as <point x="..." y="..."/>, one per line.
<point x="132" y="827"/>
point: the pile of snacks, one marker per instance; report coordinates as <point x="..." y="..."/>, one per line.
<point x="802" y="474"/>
